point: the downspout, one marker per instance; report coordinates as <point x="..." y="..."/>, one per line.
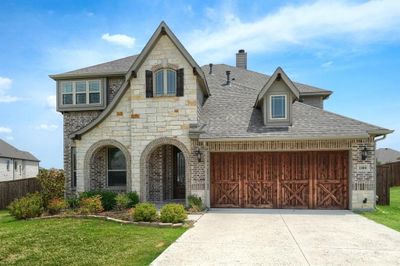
<point x="376" y="139"/>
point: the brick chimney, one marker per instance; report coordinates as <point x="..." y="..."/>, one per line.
<point x="241" y="59"/>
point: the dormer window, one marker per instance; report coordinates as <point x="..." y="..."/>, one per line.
<point x="278" y="107"/>
<point x="81" y="94"/>
<point x="165" y="82"/>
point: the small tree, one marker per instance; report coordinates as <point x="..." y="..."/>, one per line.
<point x="52" y="184"/>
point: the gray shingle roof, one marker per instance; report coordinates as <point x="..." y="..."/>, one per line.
<point x="229" y="112"/>
<point x="116" y="67"/>
<point x="253" y="79"/>
<point x="9" y="151"/>
<point x="386" y="155"/>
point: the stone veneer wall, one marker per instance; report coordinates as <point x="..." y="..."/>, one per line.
<point x="363" y="183"/>
<point x="74" y="121"/>
<point x="138" y="121"/>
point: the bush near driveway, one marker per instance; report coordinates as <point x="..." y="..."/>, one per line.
<point x="173" y="213"/>
<point x="195" y="203"/>
<point x="145" y="212"/>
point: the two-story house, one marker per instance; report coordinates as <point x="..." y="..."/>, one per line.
<point x="16" y="164"/>
<point x="159" y="124"/>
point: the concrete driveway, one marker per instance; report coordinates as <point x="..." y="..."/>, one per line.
<point x="284" y="237"/>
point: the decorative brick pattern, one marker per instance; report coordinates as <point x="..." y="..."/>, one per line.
<point x="98" y="169"/>
<point x="114" y="84"/>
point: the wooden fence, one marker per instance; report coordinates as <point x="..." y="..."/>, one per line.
<point x="383" y="185"/>
<point x="10" y="190"/>
<point x="387" y="176"/>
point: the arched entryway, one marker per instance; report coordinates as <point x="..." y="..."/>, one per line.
<point x="107" y="165"/>
<point x="165" y="171"/>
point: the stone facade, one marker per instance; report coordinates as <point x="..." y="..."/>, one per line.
<point x="136" y="121"/>
<point x="147" y="129"/>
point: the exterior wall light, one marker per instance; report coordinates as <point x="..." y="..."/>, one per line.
<point x="364" y="154"/>
<point x="198" y="154"/>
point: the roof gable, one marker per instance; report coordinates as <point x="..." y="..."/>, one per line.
<point x="278" y="74"/>
<point x="163" y="29"/>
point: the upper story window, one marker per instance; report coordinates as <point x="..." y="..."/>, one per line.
<point x="165" y="82"/>
<point x="80" y="92"/>
<point x="278" y="107"/>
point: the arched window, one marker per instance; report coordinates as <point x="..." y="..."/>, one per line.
<point x="165" y="82"/>
<point x="116" y="169"/>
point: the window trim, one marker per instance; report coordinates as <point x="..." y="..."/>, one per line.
<point x="116" y="170"/>
<point x="86" y="106"/>
<point x="165" y="82"/>
<point x="286" y="107"/>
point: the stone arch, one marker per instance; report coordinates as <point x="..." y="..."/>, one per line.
<point x="144" y="164"/>
<point x="98" y="146"/>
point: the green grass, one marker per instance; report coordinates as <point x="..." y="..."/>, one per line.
<point x="388" y="215"/>
<point x="80" y="242"/>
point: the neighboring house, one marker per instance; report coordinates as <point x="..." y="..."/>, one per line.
<point x="16" y="164"/>
<point x="159" y="124"/>
<point x="386" y="155"/>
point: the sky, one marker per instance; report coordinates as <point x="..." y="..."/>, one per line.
<point x="349" y="47"/>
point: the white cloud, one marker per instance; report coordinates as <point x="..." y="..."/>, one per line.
<point x="51" y="102"/>
<point x="9" y="138"/>
<point x="308" y="25"/>
<point x="5" y="85"/>
<point x="5" y="130"/>
<point x="120" y="39"/>
<point x="47" y="127"/>
<point x="327" y="64"/>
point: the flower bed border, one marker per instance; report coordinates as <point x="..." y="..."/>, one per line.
<point x="107" y="218"/>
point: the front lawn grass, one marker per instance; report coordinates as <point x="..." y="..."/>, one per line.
<point x="388" y="215"/>
<point x="80" y="242"/>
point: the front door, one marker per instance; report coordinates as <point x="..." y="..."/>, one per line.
<point x="179" y="174"/>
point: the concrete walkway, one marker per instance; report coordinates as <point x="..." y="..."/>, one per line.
<point x="284" y="237"/>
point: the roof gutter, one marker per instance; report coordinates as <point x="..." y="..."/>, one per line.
<point x="266" y="138"/>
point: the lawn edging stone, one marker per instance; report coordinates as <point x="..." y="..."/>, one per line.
<point x="111" y="219"/>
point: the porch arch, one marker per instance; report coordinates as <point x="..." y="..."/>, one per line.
<point x="145" y="165"/>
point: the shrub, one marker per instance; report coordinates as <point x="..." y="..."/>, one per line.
<point x="52" y="184"/>
<point x="195" y="203"/>
<point x="173" y="213"/>
<point x="145" y="212"/>
<point x="122" y="201"/>
<point x="90" y="205"/>
<point x="57" y="205"/>
<point x="73" y="202"/>
<point x="134" y="199"/>
<point x="107" y="197"/>
<point x="27" y="207"/>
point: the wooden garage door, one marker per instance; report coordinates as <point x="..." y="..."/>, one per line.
<point x="280" y="180"/>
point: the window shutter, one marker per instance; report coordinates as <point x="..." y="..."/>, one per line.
<point x="179" y="82"/>
<point x="149" y="84"/>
